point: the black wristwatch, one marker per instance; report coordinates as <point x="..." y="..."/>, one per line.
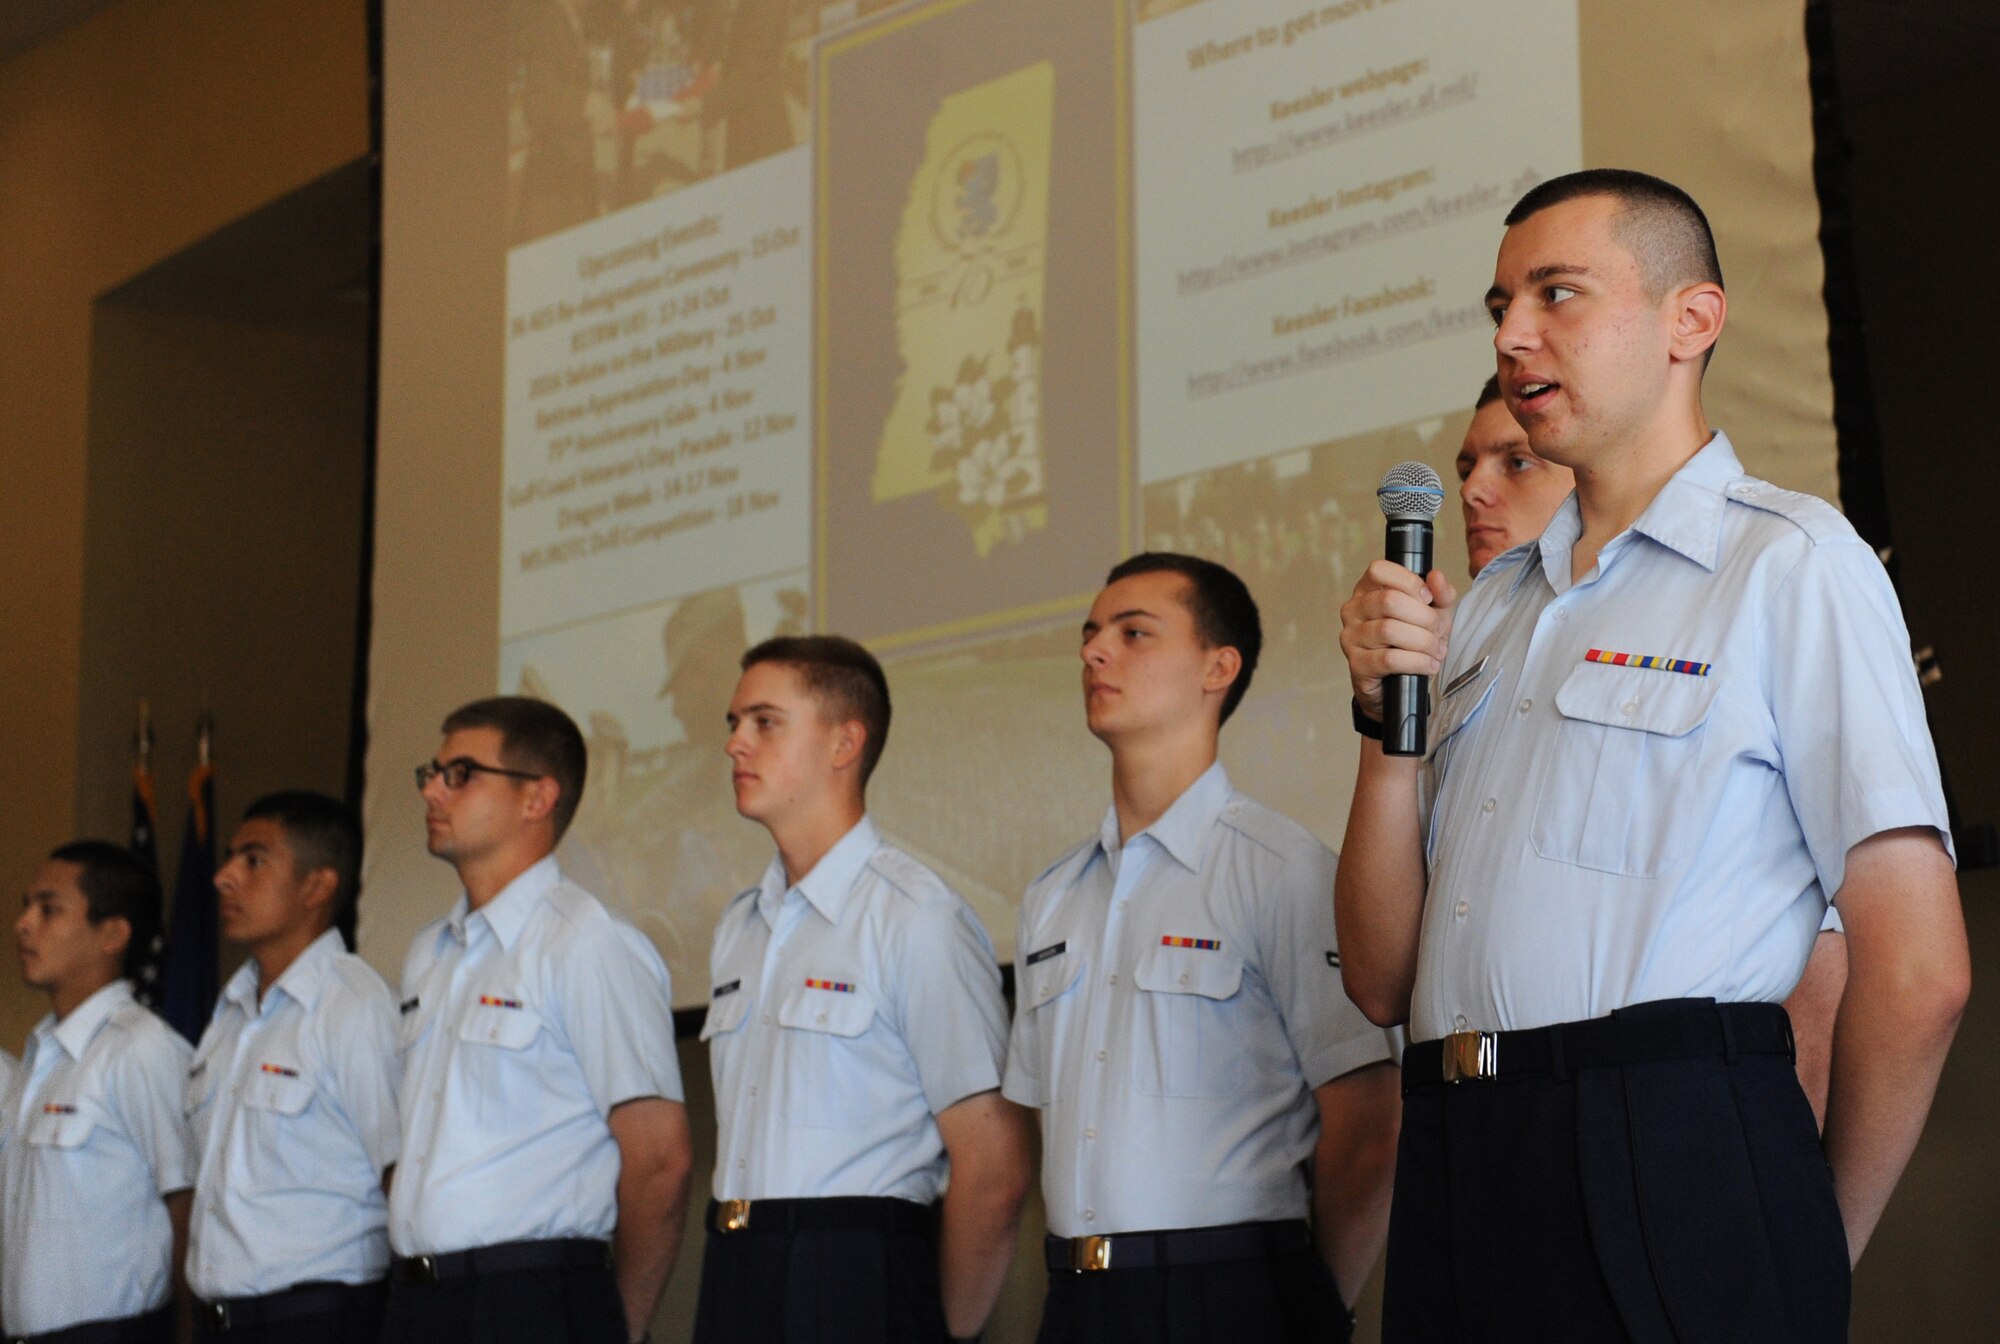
<point x="1364" y="725"/>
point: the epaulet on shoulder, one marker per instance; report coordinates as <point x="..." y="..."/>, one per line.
<point x="906" y="875"/>
<point x="576" y="905"/>
<point x="1070" y="856"/>
<point x="1273" y="830"/>
<point x="1812" y="515"/>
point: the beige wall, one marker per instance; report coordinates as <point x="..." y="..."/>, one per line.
<point x="113" y="158"/>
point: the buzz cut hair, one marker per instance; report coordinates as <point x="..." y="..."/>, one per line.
<point x="534" y="736"/>
<point x="845" y="679"/>
<point x="1658" y="223"/>
<point x="1489" y="392"/>
<point x="1225" y="615"/>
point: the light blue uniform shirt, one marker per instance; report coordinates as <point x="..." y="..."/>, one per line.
<point x="523" y="1023"/>
<point x="92" y="1139"/>
<point x="1179" y="1000"/>
<point x="844" y="1014"/>
<point x="293" y="1107"/>
<point x="1602" y="835"/>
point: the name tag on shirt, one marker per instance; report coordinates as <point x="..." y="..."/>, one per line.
<point x="408" y="1006"/>
<point x="1458" y="683"/>
<point x="1052" y="950"/>
<point x="720" y="990"/>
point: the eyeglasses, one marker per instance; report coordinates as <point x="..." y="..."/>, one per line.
<point x="459" y="769"/>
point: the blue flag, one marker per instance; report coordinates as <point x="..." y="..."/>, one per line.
<point x="191" y="976"/>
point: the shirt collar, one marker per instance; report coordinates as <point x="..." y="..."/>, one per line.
<point x="301" y="981"/>
<point x="1183" y="829"/>
<point x="74" y="1032"/>
<point x="507" y="913"/>
<point x="827" y="887"/>
<point x="1686" y="516"/>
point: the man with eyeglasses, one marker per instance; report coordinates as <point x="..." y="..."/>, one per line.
<point x="546" y="1157"/>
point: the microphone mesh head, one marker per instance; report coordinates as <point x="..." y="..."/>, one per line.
<point x="1410" y="490"/>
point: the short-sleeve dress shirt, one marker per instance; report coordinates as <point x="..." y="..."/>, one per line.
<point x="93" y="1137"/>
<point x="845" y="1012"/>
<point x="1644" y="783"/>
<point x="293" y="1106"/>
<point x="1179" y="1000"/>
<point x="523" y="1024"/>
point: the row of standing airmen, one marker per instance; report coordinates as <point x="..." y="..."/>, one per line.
<point x="500" y="1150"/>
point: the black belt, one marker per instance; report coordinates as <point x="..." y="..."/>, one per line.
<point x="147" y="1325"/>
<point x="832" y="1214"/>
<point x="1642" y="1034"/>
<point x="301" y="1300"/>
<point x="1188" y="1246"/>
<point x="506" y="1258"/>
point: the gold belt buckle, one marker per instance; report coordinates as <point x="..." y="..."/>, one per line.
<point x="1471" y="1054"/>
<point x="1087" y="1253"/>
<point x="732" y="1215"/>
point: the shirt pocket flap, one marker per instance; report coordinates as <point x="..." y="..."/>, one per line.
<point x="1672" y="704"/>
<point x="1211" y="973"/>
<point x="279" y="1093"/>
<point x="1048" y="978"/>
<point x="835" y="1012"/>
<point x="724" y="1014"/>
<point x="1462" y="700"/>
<point x="506" y="1023"/>
<point x="59" y="1129"/>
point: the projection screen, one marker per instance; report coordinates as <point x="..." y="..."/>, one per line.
<point x="708" y="321"/>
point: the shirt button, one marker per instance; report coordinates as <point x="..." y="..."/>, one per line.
<point x="741" y="1163"/>
<point x="767" y="1019"/>
<point x="1090" y="1215"/>
<point x="1090" y="1133"/>
<point x="1184" y="979"/>
<point x="1459" y="1021"/>
<point x="1527" y="705"/>
<point x="1100" y="1056"/>
<point x="1489" y="805"/>
<point x="753" y="1091"/>
<point x="1464" y="909"/>
<point x="1629" y="707"/>
<point x="820" y="1018"/>
<point x="1114" y="977"/>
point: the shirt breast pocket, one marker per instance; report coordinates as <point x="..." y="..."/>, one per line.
<point x="279" y="1154"/>
<point x="1045" y="981"/>
<point x="725" y="1014"/>
<point x="1188" y="999"/>
<point x="1624" y="784"/>
<point x="825" y="1086"/>
<point x="61" y="1164"/>
<point x="1458" y="709"/>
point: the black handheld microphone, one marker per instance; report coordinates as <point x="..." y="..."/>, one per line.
<point x="1410" y="495"/>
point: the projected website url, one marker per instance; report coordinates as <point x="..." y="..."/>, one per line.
<point x="1432" y="212"/>
<point x="1314" y="356"/>
<point x="1353" y="125"/>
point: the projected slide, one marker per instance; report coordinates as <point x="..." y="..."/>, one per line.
<point x="1319" y="192"/>
<point x="909" y="324"/>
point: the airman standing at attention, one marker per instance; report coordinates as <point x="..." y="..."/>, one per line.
<point x="543" y="1180"/>
<point x="95" y="1161"/>
<point x="292" y="1094"/>
<point x="868" y="1175"/>
<point x="1218" y="1121"/>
